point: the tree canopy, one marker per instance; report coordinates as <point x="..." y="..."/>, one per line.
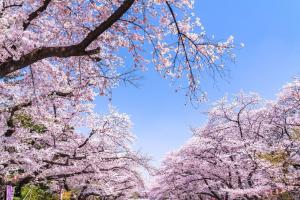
<point x="248" y="149"/>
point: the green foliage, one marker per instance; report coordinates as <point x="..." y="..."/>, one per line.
<point x="32" y="192"/>
<point x="27" y="122"/>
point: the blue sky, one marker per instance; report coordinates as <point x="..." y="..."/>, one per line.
<point x="270" y="30"/>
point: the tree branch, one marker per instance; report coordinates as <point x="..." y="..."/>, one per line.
<point x="35" y="14"/>
<point x="65" y="51"/>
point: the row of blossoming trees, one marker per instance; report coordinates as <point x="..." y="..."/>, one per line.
<point x="57" y="56"/>
<point x="249" y="149"/>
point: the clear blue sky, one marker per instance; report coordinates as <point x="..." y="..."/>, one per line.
<point x="270" y="30"/>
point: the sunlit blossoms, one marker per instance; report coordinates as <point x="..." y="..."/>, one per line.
<point x="248" y="149"/>
<point x="51" y="135"/>
<point x="47" y="144"/>
<point x="84" y="39"/>
<point x="56" y="56"/>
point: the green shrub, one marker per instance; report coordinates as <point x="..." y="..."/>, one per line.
<point x="32" y="192"/>
<point x="27" y="122"/>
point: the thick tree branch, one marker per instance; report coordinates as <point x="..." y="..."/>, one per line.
<point x="65" y="51"/>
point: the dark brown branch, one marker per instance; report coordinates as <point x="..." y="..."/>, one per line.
<point x="87" y="139"/>
<point x="91" y="134"/>
<point x="38" y="54"/>
<point x="65" y="51"/>
<point x="8" y="6"/>
<point x="36" y="13"/>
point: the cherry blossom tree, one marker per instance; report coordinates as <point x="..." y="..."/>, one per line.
<point x="248" y="149"/>
<point x="50" y="134"/>
<point x="84" y="38"/>
<point x="100" y="163"/>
